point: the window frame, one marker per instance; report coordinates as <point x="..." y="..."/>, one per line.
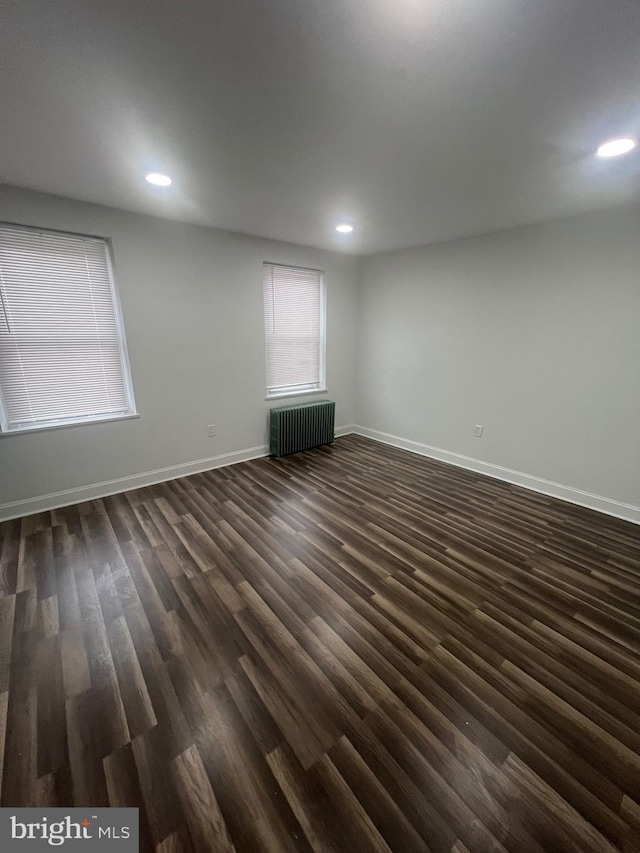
<point x="300" y="390"/>
<point x="84" y="420"/>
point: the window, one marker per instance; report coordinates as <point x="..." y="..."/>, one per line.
<point x="63" y="356"/>
<point x="294" y="320"/>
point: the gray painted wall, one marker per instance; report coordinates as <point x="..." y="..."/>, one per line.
<point x="533" y="333"/>
<point x="192" y="304"/>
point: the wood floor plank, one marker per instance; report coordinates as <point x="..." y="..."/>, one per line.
<point x="4" y="706"/>
<point x="204" y="819"/>
<point x="75" y="665"/>
<point x="309" y="801"/>
<point x="351" y="648"/>
<point x="133" y="688"/>
<point x="20" y="746"/>
<point x="158" y="790"/>
<point x="50" y="698"/>
<point x="240" y="774"/>
<point x="10" y="543"/>
<point x="360" y="829"/>
<point x="7" y="615"/>
<point x="387" y="817"/>
<point x="123" y="790"/>
<point x="86" y="751"/>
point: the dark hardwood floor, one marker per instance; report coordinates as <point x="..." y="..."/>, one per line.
<point x="350" y="649"/>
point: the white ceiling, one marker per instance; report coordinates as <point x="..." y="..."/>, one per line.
<point x="417" y="120"/>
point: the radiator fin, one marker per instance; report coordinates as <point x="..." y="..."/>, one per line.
<point x="294" y="428"/>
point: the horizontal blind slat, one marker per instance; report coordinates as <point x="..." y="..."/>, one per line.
<point x="61" y="353"/>
<point x="293" y="321"/>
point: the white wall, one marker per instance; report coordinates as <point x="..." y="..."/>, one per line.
<point x="533" y="333"/>
<point x="192" y="304"/>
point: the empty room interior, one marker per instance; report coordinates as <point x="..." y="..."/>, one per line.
<point x="320" y="426"/>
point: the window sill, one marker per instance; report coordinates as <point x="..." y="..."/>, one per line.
<point x="46" y="427"/>
<point x="286" y="394"/>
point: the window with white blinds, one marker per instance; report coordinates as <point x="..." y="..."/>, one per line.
<point x="62" y="347"/>
<point x="294" y="318"/>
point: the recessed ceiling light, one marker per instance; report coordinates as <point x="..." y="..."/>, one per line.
<point x="344" y="228"/>
<point x="616" y="147"/>
<point x="158" y="180"/>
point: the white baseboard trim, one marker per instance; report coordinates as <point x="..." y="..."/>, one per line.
<point x="345" y="430"/>
<point x="56" y="500"/>
<point x="628" y="512"/>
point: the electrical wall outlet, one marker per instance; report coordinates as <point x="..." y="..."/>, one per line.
<point x="478" y="431"/>
<point x="211" y="430"/>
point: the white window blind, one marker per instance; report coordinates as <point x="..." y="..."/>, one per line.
<point x="294" y="329"/>
<point x="62" y="348"/>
